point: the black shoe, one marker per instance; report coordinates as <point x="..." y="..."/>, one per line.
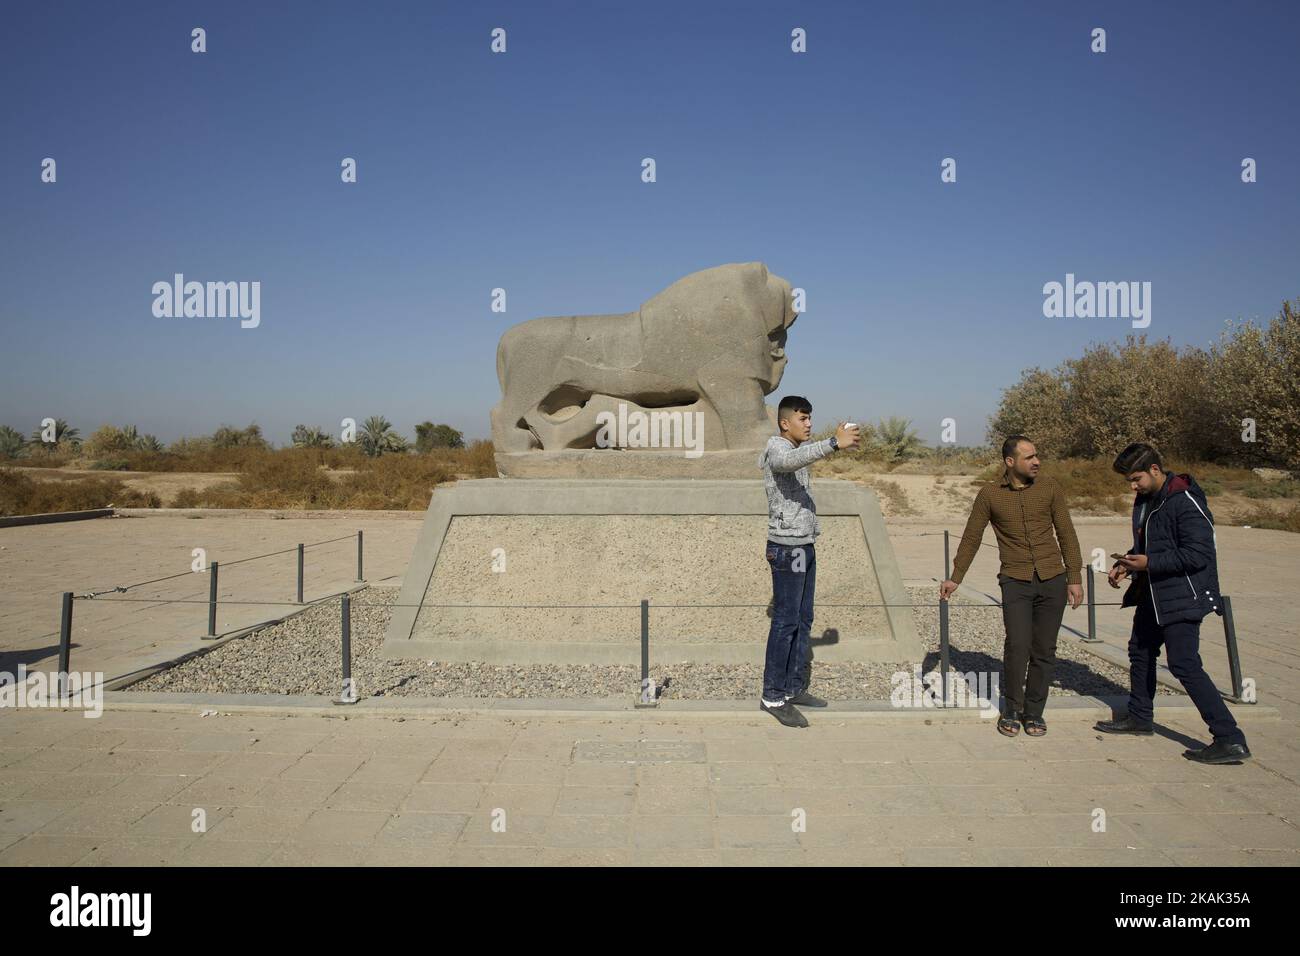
<point x="786" y="713"/>
<point x="1125" y="725"/>
<point x="805" y="699"/>
<point x="1218" y="753"/>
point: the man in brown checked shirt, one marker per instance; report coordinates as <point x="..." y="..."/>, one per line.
<point x="1038" y="571"/>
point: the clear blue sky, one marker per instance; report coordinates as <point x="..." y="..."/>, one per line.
<point x="523" y="171"/>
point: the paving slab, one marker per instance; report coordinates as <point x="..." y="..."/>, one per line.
<point x="527" y="783"/>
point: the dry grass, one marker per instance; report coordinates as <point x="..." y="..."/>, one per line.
<point x="1273" y="520"/>
<point x="294" y="478"/>
<point x="1091" y="484"/>
<point x="300" y="478"/>
<point x="20" y="495"/>
<point x="894" y="495"/>
<point x="44" y="459"/>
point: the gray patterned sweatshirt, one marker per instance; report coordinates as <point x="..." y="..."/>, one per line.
<point x="791" y="512"/>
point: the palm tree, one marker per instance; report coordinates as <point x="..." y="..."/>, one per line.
<point x="377" y="437"/>
<point x="897" y="439"/>
<point x="305" y="436"/>
<point x="62" y="433"/>
<point x="12" y="442"/>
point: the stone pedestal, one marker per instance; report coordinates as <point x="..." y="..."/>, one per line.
<point x="557" y="569"/>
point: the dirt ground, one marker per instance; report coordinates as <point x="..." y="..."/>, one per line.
<point x="947" y="496"/>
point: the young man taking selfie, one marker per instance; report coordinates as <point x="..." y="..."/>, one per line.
<point x="792" y="527"/>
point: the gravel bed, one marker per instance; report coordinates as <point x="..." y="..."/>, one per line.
<point x="976" y="636"/>
<point x="301" y="656"/>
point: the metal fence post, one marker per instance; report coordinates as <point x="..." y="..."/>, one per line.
<point x="349" y="695"/>
<point x="1234" y="661"/>
<point x="212" y="601"/>
<point x="1092" y="608"/>
<point x="300" y="550"/>
<point x="648" y="697"/>
<point x="65" y="643"/>
<point x="943" y="650"/>
<point x="360" y="551"/>
<point x="947" y="565"/>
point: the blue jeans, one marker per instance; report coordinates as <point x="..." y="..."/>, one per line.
<point x="1182" y="642"/>
<point x="788" y="666"/>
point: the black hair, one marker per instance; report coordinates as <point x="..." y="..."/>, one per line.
<point x="1138" y="456"/>
<point x="1009" y="446"/>
<point x="791" y="404"/>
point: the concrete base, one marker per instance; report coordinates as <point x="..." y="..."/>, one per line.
<point x="467" y="630"/>
<point x="616" y="463"/>
<point x="16" y="521"/>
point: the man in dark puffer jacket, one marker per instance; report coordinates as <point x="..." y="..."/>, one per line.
<point x="1174" y="584"/>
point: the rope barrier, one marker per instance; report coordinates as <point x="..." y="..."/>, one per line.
<point x="543" y="607"/>
<point x="225" y="564"/>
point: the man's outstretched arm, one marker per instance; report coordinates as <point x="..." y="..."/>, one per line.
<point x="783" y="458"/>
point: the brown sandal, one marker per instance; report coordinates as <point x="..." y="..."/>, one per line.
<point x="1034" y="726"/>
<point x="1008" y="726"/>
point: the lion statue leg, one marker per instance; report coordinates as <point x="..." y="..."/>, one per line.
<point x="739" y="402"/>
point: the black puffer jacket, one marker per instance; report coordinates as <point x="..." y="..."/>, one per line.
<point x="1175" y="530"/>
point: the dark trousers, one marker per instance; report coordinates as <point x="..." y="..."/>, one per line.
<point x="788" y="665"/>
<point x="1182" y="643"/>
<point x="1032" y="612"/>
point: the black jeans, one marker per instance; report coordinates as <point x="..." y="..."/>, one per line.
<point x="788" y="664"/>
<point x="1031" y="612"/>
<point x="1182" y="643"/>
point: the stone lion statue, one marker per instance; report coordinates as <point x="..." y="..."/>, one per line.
<point x="711" y="343"/>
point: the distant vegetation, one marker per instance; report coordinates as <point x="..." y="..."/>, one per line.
<point x="1193" y="404"/>
<point x="892" y="444"/>
<point x="21" y="495"/>
<point x="379" y="470"/>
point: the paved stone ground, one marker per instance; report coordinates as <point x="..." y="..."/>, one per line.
<point x="39" y="562"/>
<point x="662" y="788"/>
<point x="625" y="789"/>
<point x="1257" y="569"/>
